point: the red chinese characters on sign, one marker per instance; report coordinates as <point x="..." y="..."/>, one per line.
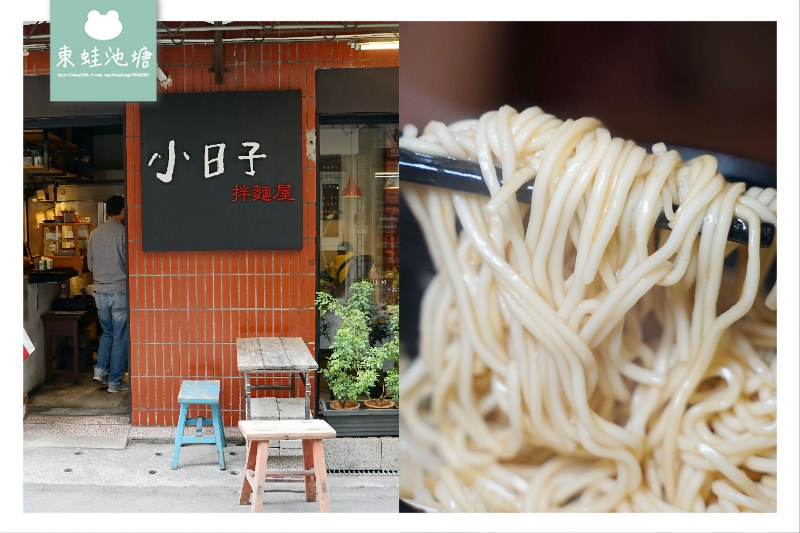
<point x="283" y="193"/>
<point x="262" y="192"/>
<point x="240" y="192"/>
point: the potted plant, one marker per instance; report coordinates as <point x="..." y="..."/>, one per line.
<point x="364" y="348"/>
<point x="388" y="358"/>
<point x="351" y="368"/>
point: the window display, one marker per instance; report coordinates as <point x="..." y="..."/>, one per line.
<point x="358" y="208"/>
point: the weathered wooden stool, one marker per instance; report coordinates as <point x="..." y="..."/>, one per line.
<point x="258" y="433"/>
<point x="200" y="393"/>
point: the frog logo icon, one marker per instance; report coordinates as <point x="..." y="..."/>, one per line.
<point x="102" y="27"/>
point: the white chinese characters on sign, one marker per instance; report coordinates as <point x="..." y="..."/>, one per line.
<point x="64" y="57"/>
<point x="166" y="177"/>
<point x="139" y="58"/>
<point x="219" y="160"/>
<point x="214" y="165"/>
<point x="252" y="155"/>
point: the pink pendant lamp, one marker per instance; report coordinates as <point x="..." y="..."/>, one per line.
<point x="351" y="190"/>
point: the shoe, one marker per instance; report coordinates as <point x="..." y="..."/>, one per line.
<point x="100" y="376"/>
<point x="114" y="388"/>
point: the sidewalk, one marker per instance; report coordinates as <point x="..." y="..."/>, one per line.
<point x="102" y="464"/>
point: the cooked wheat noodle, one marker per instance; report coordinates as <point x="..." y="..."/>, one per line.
<point x="585" y="361"/>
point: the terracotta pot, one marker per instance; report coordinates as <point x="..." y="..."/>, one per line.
<point x="349" y="405"/>
<point x="380" y="403"/>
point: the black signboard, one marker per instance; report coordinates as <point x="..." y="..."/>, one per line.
<point x="222" y="171"/>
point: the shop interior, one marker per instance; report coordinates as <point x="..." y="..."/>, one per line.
<point x="360" y="194"/>
<point x="70" y="167"/>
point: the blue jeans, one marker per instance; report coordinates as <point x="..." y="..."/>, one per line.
<point x="112" y="353"/>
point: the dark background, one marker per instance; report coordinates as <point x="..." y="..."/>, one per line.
<point x="702" y="84"/>
<point x="192" y="212"/>
<point x="710" y="85"/>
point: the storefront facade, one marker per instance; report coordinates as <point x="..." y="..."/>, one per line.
<point x="189" y="307"/>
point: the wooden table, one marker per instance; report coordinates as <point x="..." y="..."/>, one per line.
<point x="65" y="324"/>
<point x="275" y="355"/>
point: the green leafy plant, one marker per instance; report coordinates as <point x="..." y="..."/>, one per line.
<point x="357" y="359"/>
<point x="390" y="351"/>
<point x="353" y="365"/>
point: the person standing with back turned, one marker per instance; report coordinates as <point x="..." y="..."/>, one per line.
<point x="108" y="260"/>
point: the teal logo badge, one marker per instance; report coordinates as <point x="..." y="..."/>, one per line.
<point x="103" y="50"/>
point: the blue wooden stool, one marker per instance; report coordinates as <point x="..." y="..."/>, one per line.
<point x="200" y="393"/>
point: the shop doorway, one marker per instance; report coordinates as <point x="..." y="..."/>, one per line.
<point x="70" y="167"/>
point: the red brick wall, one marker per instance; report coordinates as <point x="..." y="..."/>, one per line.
<point x="188" y="308"/>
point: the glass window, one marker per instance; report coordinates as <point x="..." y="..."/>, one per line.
<point x="358" y="209"/>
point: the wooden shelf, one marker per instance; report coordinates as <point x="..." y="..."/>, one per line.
<point x="37" y="136"/>
<point x="48" y="142"/>
<point x="39" y="170"/>
<point x="77" y="243"/>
